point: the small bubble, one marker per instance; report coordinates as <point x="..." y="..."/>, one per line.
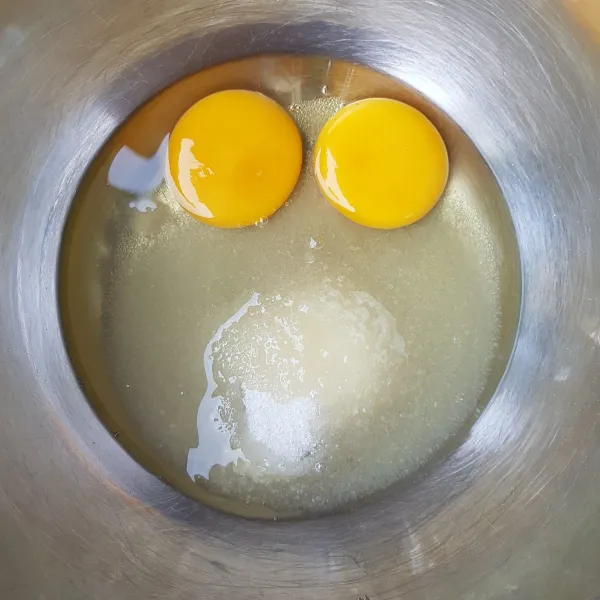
<point x="315" y="243"/>
<point x="143" y="204"/>
<point x="261" y="222"/>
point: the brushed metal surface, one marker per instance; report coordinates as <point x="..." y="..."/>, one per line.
<point x="513" y="513"/>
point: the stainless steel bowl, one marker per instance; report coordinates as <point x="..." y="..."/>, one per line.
<point x="513" y="513"/>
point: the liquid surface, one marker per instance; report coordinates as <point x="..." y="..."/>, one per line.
<point x="381" y="163"/>
<point x="234" y="158"/>
<point x="298" y="365"/>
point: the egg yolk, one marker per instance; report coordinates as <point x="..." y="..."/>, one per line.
<point x="381" y="163"/>
<point x="234" y="158"/>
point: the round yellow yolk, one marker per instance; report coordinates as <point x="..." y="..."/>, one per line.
<point x="234" y="158"/>
<point x="381" y="163"/>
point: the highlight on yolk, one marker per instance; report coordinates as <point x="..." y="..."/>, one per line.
<point x="234" y="158"/>
<point x="381" y="163"/>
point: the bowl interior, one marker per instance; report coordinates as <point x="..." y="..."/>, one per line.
<point x="148" y="395"/>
